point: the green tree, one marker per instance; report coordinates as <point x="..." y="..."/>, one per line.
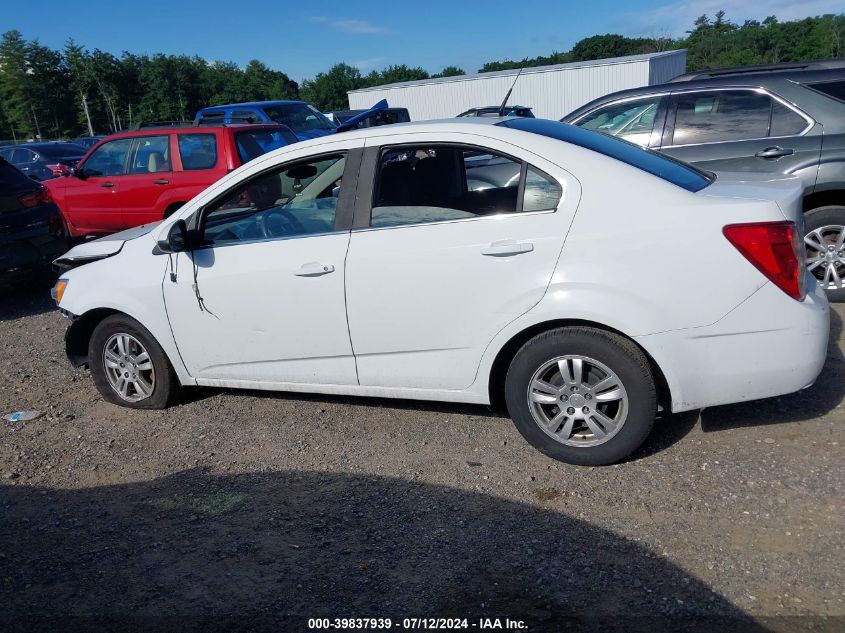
<point x="328" y="90"/>
<point x="395" y="74"/>
<point x="15" y="85"/>
<point x="260" y="83"/>
<point x="450" y="71"/>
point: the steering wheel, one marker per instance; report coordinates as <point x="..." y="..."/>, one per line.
<point x="280" y="223"/>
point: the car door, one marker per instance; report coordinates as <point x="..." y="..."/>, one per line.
<point x="261" y="299"/>
<point x="742" y="130"/>
<point x="148" y="177"/>
<point x="199" y="162"/>
<point x="91" y="200"/>
<point x="458" y="236"/>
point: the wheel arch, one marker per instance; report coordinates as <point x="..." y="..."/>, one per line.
<point x="172" y="208"/>
<point x="78" y="335"/>
<point x="499" y="368"/>
<point x="818" y="199"/>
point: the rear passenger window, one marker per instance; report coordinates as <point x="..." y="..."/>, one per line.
<point x="424" y="184"/>
<point x="732" y="115"/>
<point x="786" y="122"/>
<point x="542" y="192"/>
<point x="835" y="89"/>
<point x="198" y="151"/>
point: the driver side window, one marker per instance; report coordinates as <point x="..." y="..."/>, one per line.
<point x="291" y="200"/>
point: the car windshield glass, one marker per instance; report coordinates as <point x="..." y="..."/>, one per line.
<point x="300" y="117"/>
<point x="664" y="167"/>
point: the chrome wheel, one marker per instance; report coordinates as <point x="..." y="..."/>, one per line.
<point x="128" y="367"/>
<point x="826" y="255"/>
<point x="577" y="401"/>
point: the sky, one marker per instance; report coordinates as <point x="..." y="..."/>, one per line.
<point x="304" y="38"/>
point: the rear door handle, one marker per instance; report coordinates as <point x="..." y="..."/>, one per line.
<point x="107" y="184"/>
<point x="774" y="152"/>
<point x="161" y="182"/>
<point x="314" y="269"/>
<point x="503" y="248"/>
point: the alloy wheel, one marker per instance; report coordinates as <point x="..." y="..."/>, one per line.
<point x="826" y="255"/>
<point x="128" y="367"/>
<point x="578" y="401"/>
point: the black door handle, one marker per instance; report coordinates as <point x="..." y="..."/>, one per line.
<point x="774" y="152"/>
<point x="107" y="184"/>
<point x="161" y="182"/>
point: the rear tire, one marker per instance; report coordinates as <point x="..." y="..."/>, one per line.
<point x="824" y="226"/>
<point x="581" y="395"/>
<point x="129" y="367"/>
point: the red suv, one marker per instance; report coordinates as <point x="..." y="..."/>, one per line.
<point x="132" y="178"/>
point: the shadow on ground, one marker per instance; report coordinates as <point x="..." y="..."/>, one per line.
<point x="199" y="552"/>
<point x="26" y="299"/>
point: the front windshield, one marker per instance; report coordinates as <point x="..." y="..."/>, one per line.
<point x="300" y="117"/>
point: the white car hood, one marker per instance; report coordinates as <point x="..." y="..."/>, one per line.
<point x="94" y="250"/>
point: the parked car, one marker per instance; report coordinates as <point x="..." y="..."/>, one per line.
<point x="304" y="119"/>
<point x="786" y="119"/>
<point x="365" y="264"/>
<point x="386" y="116"/>
<point x="88" y="141"/>
<point x="31" y="229"/>
<point x="43" y="161"/>
<point x="493" y="111"/>
<point x="144" y="175"/>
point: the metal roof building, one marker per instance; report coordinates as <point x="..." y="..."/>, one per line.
<point x="552" y="91"/>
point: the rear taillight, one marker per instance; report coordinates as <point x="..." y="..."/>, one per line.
<point x="58" y="169"/>
<point x="775" y="250"/>
<point x="36" y="198"/>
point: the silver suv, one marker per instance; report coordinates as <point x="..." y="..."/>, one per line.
<point x="781" y="119"/>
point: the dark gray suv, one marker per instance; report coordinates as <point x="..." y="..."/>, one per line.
<point x="782" y="119"/>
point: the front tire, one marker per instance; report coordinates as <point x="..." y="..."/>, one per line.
<point x="581" y="395"/>
<point x="129" y="367"/>
<point x="824" y="238"/>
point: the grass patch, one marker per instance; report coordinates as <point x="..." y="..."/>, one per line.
<point x="209" y="505"/>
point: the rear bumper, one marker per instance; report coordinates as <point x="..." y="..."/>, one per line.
<point x="30" y="240"/>
<point x="767" y="346"/>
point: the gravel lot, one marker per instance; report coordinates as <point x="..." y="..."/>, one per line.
<point x="256" y="511"/>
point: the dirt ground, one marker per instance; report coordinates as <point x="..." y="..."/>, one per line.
<point x="257" y="511"/>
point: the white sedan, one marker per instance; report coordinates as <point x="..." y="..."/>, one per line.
<point x="576" y="278"/>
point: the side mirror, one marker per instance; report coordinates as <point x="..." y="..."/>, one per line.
<point x="77" y="172"/>
<point x="177" y="238"/>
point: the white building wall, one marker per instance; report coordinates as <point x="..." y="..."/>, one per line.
<point x="552" y="91"/>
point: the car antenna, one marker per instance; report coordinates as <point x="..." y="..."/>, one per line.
<point x="508" y="96"/>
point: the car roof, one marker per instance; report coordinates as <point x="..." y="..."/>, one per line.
<point x="497" y="107"/>
<point x="192" y="129"/>
<point x="783" y="67"/>
<point x="411" y="127"/>
<point x="40" y="145"/>
<point x="251" y="104"/>
<point x="751" y="77"/>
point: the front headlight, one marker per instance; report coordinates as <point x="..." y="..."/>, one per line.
<point x="58" y="290"/>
